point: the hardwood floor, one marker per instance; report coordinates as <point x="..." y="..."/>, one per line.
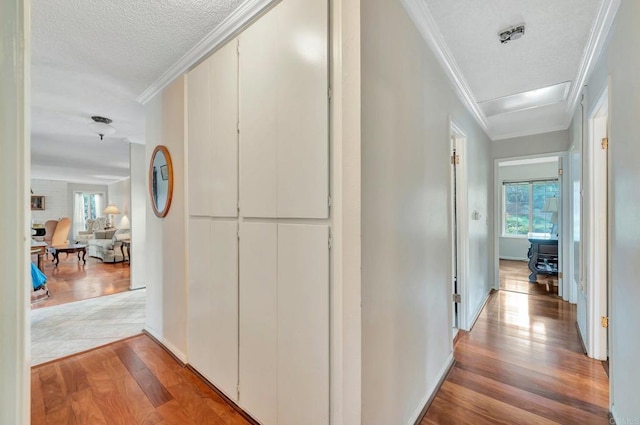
<point x="129" y="382"/>
<point x="514" y="276"/>
<point x="74" y="281"/>
<point x="522" y="364"/>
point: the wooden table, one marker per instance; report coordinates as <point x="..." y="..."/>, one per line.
<point x="69" y="249"/>
<point x="128" y="245"/>
<point x="39" y="249"/>
<point x="543" y="255"/>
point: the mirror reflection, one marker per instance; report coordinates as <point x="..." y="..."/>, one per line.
<point x="161" y="181"/>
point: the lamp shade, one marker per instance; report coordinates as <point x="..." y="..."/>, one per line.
<point x="111" y="209"/>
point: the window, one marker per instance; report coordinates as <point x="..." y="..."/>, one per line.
<point x="523" y="203"/>
<point x="86" y="205"/>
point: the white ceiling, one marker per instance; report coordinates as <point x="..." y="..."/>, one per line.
<point x="95" y="57"/>
<point x="560" y="39"/>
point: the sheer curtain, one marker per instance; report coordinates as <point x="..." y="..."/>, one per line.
<point x="78" y="213"/>
<point x="86" y="205"/>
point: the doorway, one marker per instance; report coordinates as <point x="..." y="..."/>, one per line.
<point x="459" y="228"/>
<point x="528" y="237"/>
<point x="595" y="217"/>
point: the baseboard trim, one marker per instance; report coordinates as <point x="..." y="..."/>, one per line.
<point x="215" y="389"/>
<point x="171" y="349"/>
<point x="515" y="259"/>
<point x="484" y="303"/>
<point x="459" y="335"/>
<point x="417" y="416"/>
<point x="232" y="403"/>
<point x="584" y="347"/>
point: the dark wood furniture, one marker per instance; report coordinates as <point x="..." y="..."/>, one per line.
<point x="69" y="249"/>
<point x="543" y="256"/>
<point x="126" y="258"/>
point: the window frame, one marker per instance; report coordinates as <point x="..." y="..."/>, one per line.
<point x="530" y="182"/>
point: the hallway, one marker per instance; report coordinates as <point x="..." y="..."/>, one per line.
<point x="522" y="364"/>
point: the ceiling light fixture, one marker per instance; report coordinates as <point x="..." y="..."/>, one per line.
<point x="512" y="33"/>
<point x="101" y="126"/>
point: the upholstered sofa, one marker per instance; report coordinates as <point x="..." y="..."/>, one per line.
<point x="106" y="244"/>
<point x="93" y="225"/>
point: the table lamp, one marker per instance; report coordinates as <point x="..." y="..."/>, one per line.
<point x="110" y="211"/>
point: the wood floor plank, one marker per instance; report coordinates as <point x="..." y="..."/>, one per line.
<point x="53" y="389"/>
<point x="522" y="363"/>
<point x="148" y="382"/>
<point x="71" y="281"/>
<point x="88" y="385"/>
<point x="139" y="405"/>
<point x="74" y="376"/>
<point x="38" y="416"/>
<point x="85" y="409"/>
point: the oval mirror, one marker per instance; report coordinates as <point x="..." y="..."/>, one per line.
<point x="161" y="181"/>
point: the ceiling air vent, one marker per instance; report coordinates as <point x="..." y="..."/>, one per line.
<point x="511" y="33"/>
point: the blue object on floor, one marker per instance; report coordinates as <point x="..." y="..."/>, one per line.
<point x="37" y="277"/>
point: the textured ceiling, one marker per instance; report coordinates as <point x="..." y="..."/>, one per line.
<point x="550" y="52"/>
<point x="94" y="57"/>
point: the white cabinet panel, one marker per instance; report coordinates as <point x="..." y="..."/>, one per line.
<point x="224" y="131"/>
<point x="303" y="110"/>
<point x="303" y="325"/>
<point x="222" y="320"/>
<point x="284" y="112"/>
<point x="198" y="132"/>
<point x="258" y="321"/>
<point x="199" y="296"/>
<point x="258" y="118"/>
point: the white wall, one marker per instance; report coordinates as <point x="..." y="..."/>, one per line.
<point x="515" y="248"/>
<point x="165" y="237"/>
<point x="15" y="285"/>
<point x="553" y="142"/>
<point x="56" y="200"/>
<point x="620" y="64"/>
<point x="119" y="194"/>
<point x="138" y="218"/>
<point x="406" y="252"/>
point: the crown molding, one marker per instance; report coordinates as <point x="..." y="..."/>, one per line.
<point x="597" y="37"/>
<point x="422" y="18"/>
<point x="228" y="28"/>
<point x="524" y="133"/>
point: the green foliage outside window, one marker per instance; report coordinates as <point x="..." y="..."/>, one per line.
<point x="523" y="205"/>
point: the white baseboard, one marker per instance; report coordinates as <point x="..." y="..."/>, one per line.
<point x="168" y="345"/>
<point x="514" y="258"/>
<point x="441" y="377"/>
<point x="474" y="317"/>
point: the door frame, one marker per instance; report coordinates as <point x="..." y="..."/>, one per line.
<point x="459" y="228"/>
<point x="596" y="220"/>
<point x="563" y="220"/>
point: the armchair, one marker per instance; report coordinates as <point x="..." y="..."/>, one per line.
<point x="93" y="225"/>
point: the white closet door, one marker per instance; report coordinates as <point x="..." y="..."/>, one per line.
<point x="258" y="117"/>
<point x="303" y="110"/>
<point x="303" y="325"/>
<point x="198" y="129"/>
<point x="222" y="307"/>
<point x="224" y="131"/>
<point x="258" y="321"/>
<point x="199" y="295"/>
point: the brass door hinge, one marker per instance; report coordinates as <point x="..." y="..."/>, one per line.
<point x="604" y="321"/>
<point x="559" y="275"/>
<point x="455" y="159"/>
<point x="457" y="298"/>
<point x="605" y="143"/>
